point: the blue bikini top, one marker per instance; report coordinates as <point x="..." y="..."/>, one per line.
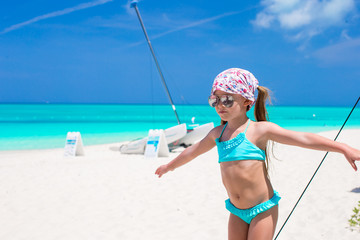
<point x="238" y="148"/>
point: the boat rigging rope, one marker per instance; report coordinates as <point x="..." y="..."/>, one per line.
<point x="315" y="172"/>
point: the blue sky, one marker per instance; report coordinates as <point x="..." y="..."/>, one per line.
<point x="306" y="51"/>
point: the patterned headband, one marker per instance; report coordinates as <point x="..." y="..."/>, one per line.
<point x="237" y="81"/>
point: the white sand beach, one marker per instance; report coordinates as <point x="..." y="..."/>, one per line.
<point x="108" y="195"/>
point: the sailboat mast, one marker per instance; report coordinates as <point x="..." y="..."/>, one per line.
<point x="134" y="5"/>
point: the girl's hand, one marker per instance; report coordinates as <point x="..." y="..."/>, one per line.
<point x="162" y="170"/>
<point x="352" y="155"/>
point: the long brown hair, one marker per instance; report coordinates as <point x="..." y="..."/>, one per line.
<point x="260" y="111"/>
<point x="261" y="114"/>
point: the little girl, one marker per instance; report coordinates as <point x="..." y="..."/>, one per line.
<point x="241" y="145"/>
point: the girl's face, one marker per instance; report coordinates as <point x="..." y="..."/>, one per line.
<point x="238" y="108"/>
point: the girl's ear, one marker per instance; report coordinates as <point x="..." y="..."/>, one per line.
<point x="247" y="102"/>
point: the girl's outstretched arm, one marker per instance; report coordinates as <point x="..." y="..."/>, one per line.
<point x="310" y="140"/>
<point x="189" y="153"/>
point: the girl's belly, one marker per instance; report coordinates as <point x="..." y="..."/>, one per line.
<point x="246" y="182"/>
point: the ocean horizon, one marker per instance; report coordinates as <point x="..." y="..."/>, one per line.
<point x="44" y="126"/>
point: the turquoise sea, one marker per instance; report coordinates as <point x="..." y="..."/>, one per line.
<point x="41" y="126"/>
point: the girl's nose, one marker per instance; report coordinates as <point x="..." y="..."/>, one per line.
<point x="220" y="105"/>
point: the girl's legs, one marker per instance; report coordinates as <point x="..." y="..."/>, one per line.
<point x="262" y="227"/>
<point x="237" y="228"/>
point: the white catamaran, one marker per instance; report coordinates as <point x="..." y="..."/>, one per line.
<point x="178" y="135"/>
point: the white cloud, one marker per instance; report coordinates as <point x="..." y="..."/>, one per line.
<point x="189" y="25"/>
<point x="296" y="18"/>
<point x="280" y="5"/>
<point x="344" y="35"/>
<point x="264" y="20"/>
<point x="55" y="14"/>
<point x="304" y="16"/>
<point x="195" y="23"/>
<point x="345" y="53"/>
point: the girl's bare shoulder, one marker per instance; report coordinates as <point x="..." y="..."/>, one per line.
<point x="216" y="131"/>
<point x="264" y="127"/>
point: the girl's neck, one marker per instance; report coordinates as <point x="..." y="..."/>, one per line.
<point x="237" y="122"/>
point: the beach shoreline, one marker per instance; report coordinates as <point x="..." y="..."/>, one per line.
<point x="33" y="126"/>
<point x="109" y="195"/>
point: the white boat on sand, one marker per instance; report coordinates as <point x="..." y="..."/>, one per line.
<point x="175" y="136"/>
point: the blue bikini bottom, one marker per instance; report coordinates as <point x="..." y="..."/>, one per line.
<point x="248" y="214"/>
